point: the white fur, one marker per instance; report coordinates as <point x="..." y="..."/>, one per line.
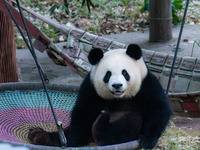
<point x="115" y="61"/>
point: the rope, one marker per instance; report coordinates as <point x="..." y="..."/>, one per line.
<point x="177" y="46"/>
<point x="31" y="48"/>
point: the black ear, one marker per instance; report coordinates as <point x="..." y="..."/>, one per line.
<point x="95" y="56"/>
<point x="134" y="51"/>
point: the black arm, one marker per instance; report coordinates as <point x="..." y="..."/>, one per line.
<point x="83" y="115"/>
<point x="156" y="111"/>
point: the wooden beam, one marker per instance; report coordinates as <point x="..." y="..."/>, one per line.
<point x="8" y="60"/>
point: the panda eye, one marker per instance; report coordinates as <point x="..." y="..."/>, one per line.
<point x="107" y="76"/>
<point x="125" y="74"/>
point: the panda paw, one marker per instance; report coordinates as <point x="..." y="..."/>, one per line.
<point x="102" y="120"/>
<point x="148" y="142"/>
<point x="104" y="116"/>
<point x="39" y="137"/>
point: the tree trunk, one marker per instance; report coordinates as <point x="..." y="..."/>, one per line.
<point x="8" y="60"/>
<point x="160" y="20"/>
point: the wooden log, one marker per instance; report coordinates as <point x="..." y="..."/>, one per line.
<point x="8" y="60"/>
<point x="160" y="20"/>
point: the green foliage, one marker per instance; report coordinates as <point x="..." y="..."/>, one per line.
<point x="89" y="3"/>
<point x="177" y="5"/>
<point x="19" y="42"/>
<point x="179" y="139"/>
<point x="57" y="6"/>
<point x="145" y="7"/>
<point x="50" y="32"/>
<point x="64" y="7"/>
<point x="198" y="44"/>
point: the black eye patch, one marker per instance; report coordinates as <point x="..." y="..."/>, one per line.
<point x="107" y="76"/>
<point x="126" y="75"/>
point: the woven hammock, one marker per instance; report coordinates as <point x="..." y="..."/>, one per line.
<point x="25" y="105"/>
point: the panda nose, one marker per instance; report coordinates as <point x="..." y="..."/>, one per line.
<point x="117" y="86"/>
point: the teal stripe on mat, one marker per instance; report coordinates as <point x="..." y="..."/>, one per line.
<point x="20" y="99"/>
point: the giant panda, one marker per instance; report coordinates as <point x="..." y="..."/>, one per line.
<point x="120" y="100"/>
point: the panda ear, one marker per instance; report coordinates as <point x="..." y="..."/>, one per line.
<point x="95" y="56"/>
<point x="134" y="51"/>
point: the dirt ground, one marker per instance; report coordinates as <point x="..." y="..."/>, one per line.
<point x="190" y="124"/>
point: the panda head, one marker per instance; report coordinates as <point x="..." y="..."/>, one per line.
<point x="117" y="73"/>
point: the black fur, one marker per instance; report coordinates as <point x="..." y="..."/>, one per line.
<point x="134" y="51"/>
<point x="107" y="77"/>
<point x="126" y="75"/>
<point x="40" y="137"/>
<point x="106" y="133"/>
<point x="151" y="102"/>
<point x="95" y="56"/>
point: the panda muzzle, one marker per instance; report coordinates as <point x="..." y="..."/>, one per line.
<point x="117" y="93"/>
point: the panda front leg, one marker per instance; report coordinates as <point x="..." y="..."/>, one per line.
<point x="153" y="127"/>
<point x="80" y="130"/>
<point x="149" y="136"/>
<point x="101" y="128"/>
<point x="107" y="130"/>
